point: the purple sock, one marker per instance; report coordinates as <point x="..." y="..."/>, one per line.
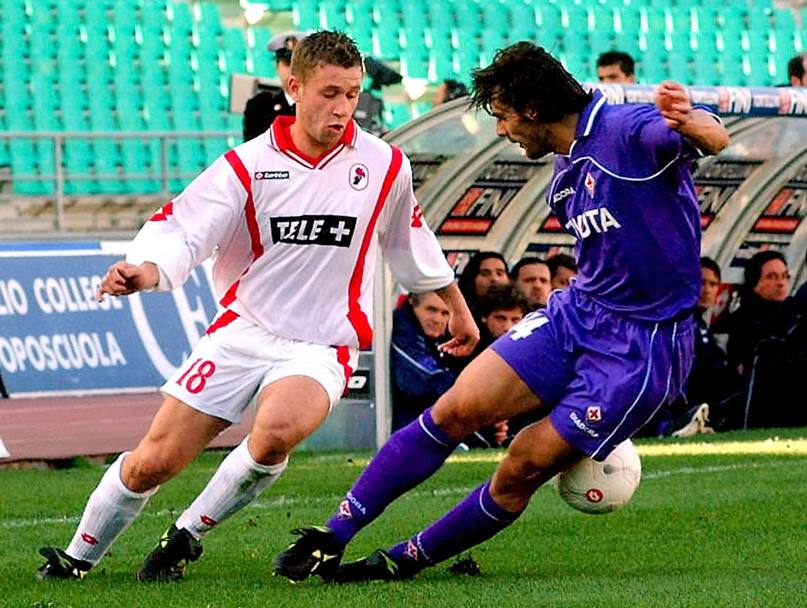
<point x="410" y="455"/>
<point x="473" y="521"/>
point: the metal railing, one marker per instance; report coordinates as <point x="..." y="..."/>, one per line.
<point x="61" y="175"/>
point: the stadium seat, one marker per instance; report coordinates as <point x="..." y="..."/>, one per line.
<point x="166" y="64"/>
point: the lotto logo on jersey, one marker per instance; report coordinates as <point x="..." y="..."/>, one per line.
<point x="333" y="230"/>
<point x="271" y="175"/>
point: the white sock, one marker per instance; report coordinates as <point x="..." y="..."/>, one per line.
<point x="236" y="483"/>
<point x="111" y="508"/>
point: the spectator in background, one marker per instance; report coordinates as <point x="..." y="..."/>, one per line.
<point x="615" y="67"/>
<point x="562" y="269"/>
<point x="499" y="309"/>
<point x="483" y="270"/>
<point x="761" y="312"/>
<point x="533" y="279"/>
<point x="797" y="70"/>
<point x="768" y="344"/>
<point x="712" y="399"/>
<point x="420" y="372"/>
<point x="272" y="102"/>
<point x="801" y="293"/>
<point x="449" y="90"/>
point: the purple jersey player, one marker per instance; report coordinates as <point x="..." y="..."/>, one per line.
<point x="600" y="359"/>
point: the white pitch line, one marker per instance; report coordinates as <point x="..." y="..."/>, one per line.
<point x="333" y="499"/>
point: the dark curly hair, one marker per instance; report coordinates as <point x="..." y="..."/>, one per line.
<point x="501" y="297"/>
<point x="324" y="48"/>
<point x="526" y="78"/>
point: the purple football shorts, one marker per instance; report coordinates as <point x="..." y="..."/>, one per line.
<point x="603" y="374"/>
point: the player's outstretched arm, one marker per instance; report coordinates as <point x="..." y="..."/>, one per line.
<point x="461" y="325"/>
<point x="699" y="127"/>
<point x="124" y="278"/>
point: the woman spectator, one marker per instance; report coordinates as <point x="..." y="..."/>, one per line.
<point x="483" y="270"/>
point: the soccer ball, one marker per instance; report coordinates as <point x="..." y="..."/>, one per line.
<point x="601" y="487"/>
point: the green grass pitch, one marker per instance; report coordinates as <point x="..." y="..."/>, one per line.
<point x="717" y="521"/>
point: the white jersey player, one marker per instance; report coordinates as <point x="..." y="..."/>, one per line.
<point x="293" y="220"/>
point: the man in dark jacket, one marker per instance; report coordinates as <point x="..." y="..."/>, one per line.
<point x="420" y="371"/>
<point x="262" y="109"/>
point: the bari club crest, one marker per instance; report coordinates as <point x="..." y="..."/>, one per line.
<point x="359" y="177"/>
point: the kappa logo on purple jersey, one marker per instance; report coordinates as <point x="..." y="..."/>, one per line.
<point x="593" y="413"/>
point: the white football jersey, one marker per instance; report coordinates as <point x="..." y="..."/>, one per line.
<point x="294" y="239"/>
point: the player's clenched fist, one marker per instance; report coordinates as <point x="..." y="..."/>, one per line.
<point x="464" y="335"/>
<point x="124" y="278"/>
<point x="672" y="100"/>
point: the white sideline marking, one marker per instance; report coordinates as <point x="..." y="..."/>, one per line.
<point x="333" y="499"/>
<point x="4" y="453"/>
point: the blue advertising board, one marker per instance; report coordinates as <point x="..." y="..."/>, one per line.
<point x="55" y="338"/>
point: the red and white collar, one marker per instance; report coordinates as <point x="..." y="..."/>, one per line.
<point x="280" y="138"/>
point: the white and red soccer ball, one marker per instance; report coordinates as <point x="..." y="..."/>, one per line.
<point x="601" y="487"/>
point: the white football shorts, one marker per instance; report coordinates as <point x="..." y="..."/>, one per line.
<point x="232" y="364"/>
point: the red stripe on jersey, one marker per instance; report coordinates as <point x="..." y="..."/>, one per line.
<point x="343" y="356"/>
<point x="249" y="206"/>
<point x="227" y="317"/>
<point x="356" y="316"/>
<point x="251" y="219"/>
<point x="163" y="212"/>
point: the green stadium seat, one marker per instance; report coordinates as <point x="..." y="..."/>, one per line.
<point x="679" y="70"/>
<point x="396" y="114"/>
<point x="386" y="41"/>
<point x="332" y="16"/>
<point x="415" y="64"/>
<point x="548" y="17"/>
<point x="180" y="19"/>
<point x="627" y="42"/>
<point x="305" y="15"/>
<point x="759" y="20"/>
<point x="209" y="19"/>
<point x="705" y="70"/>
<point x="784" y="20"/>
<point x="600" y="40"/>
<point x="732" y="72"/>
<point x="61" y="60"/>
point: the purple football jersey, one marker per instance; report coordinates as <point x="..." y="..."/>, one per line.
<point x="625" y="192"/>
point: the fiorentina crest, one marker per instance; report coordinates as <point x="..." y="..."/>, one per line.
<point x="344" y="510"/>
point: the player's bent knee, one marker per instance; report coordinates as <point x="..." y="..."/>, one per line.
<point x="459" y="416"/>
<point x="270" y="446"/>
<point x="144" y="470"/>
<point x="516" y="479"/>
